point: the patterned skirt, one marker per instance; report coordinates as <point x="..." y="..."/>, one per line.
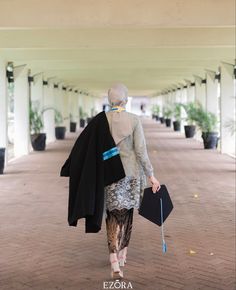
<point x="125" y="193"/>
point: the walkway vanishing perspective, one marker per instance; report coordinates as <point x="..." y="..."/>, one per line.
<point x="39" y="251"/>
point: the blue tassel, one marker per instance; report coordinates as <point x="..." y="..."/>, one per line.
<point x="164" y="248"/>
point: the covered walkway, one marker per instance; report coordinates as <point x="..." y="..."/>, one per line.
<point x="40" y="251"/>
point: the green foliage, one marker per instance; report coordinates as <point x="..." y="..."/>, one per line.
<point x="155" y="109"/>
<point x="206" y="121"/>
<point x="35" y="117"/>
<point x="71" y="118"/>
<point x="167" y="111"/>
<point x="191" y="110"/>
<point x="82" y="114"/>
<point x="58" y="118"/>
<point x="177" y="111"/>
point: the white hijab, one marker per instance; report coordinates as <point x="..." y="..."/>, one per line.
<point x="120" y="123"/>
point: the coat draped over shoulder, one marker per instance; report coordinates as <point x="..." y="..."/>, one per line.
<point x="93" y="163"/>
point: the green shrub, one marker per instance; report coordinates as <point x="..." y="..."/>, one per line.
<point x="167" y="111"/>
<point x="191" y="111"/>
<point x="36" y="123"/>
<point x="177" y="111"/>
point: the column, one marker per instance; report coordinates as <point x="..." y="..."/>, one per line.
<point x="200" y="91"/>
<point x="200" y="97"/>
<point x="211" y="92"/>
<point x="190" y="91"/>
<point x="37" y="91"/>
<point x="58" y="100"/>
<point x="184" y="100"/>
<point x="21" y="111"/>
<point x="161" y="104"/>
<point x="98" y="105"/>
<point x="3" y="107"/>
<point x="66" y="113"/>
<point x="73" y="104"/>
<point x="227" y="108"/>
<point x="49" y="113"/>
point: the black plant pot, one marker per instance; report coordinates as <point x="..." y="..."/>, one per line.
<point x="82" y="123"/>
<point x="2" y="160"/>
<point x="89" y="119"/>
<point x="210" y="140"/>
<point x="168" y="122"/>
<point x="190" y="131"/>
<point x="60" y="132"/>
<point x="38" y="141"/>
<point x="157" y="117"/>
<point x="176" y="125"/>
<point x="162" y="120"/>
<point x="72" y="126"/>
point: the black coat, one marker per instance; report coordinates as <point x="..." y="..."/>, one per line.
<point x="93" y="163"/>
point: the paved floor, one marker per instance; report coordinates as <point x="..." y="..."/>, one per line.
<point x="39" y="251"/>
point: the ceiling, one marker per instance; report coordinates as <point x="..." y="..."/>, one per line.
<point x="148" y="45"/>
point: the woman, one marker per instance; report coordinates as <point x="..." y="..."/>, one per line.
<point x="123" y="196"/>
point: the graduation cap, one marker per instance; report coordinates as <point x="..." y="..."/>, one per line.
<point x="156" y="207"/>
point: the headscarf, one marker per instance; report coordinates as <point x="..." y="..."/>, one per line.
<point x="118" y="95"/>
<point x="120" y="122"/>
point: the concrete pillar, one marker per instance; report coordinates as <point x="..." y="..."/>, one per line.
<point x="98" y="104"/>
<point x="159" y="102"/>
<point x="49" y="114"/>
<point x="183" y="100"/>
<point x="3" y="107"/>
<point x="227" y="111"/>
<point x="86" y="102"/>
<point x="21" y="111"/>
<point x="37" y="90"/>
<point x="80" y="104"/>
<point x="200" y="91"/>
<point x="65" y="112"/>
<point x="70" y="104"/>
<point x="200" y="97"/>
<point x="73" y="106"/>
<point x="211" y="92"/>
<point x="58" y="100"/>
<point x="190" y="91"/>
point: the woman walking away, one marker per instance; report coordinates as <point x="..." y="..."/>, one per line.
<point x="122" y="196"/>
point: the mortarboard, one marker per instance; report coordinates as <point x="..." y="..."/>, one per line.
<point x="156" y="207"/>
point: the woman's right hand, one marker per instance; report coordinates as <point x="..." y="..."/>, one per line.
<point x="155" y="184"/>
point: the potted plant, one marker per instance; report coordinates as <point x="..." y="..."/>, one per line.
<point x="72" y="124"/>
<point x="82" y="116"/>
<point x="191" y="111"/>
<point x="60" y="131"/>
<point x="177" y="116"/>
<point x="89" y="119"/>
<point x="38" y="139"/>
<point x="167" y="114"/>
<point x="2" y="160"/>
<point x="155" y="112"/>
<point x="207" y="122"/>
